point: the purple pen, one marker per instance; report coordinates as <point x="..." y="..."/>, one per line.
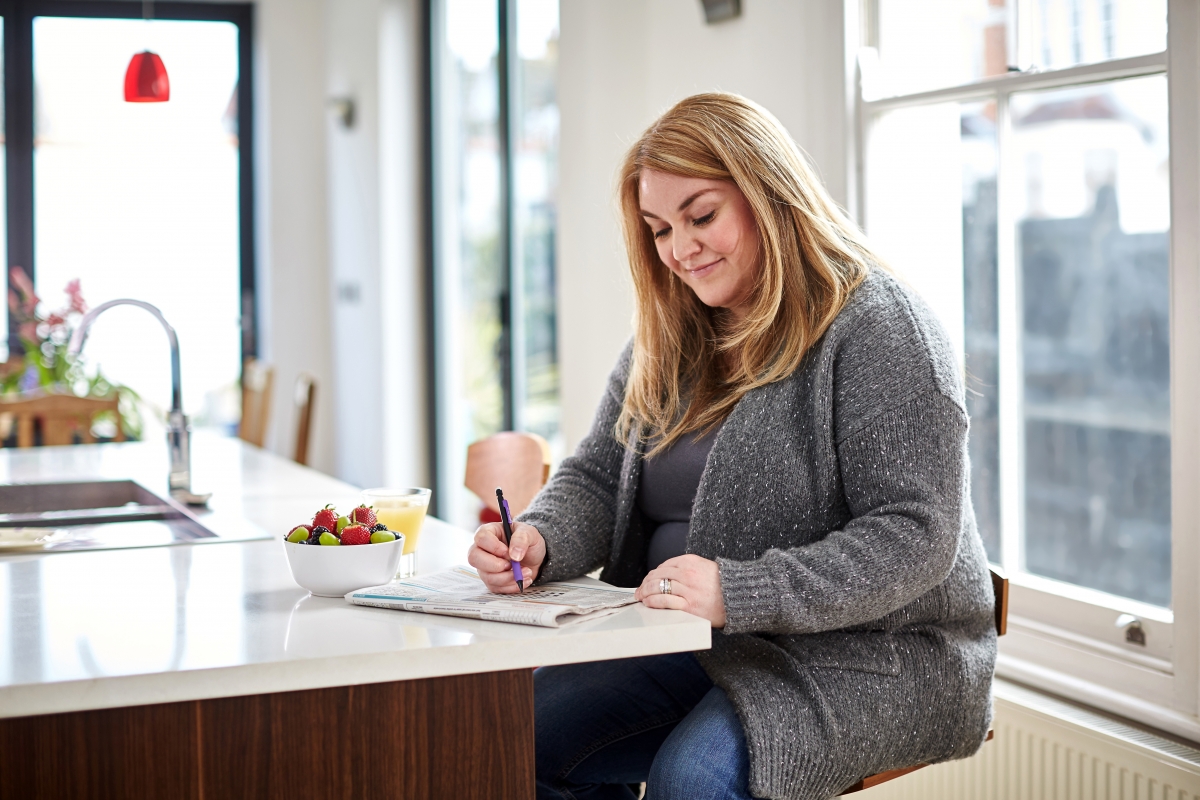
<point x="506" y="518"/>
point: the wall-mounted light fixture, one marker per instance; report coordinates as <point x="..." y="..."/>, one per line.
<point x="343" y="108"/>
<point x="721" y="10"/>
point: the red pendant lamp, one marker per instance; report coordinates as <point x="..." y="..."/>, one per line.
<point x="146" y="78"/>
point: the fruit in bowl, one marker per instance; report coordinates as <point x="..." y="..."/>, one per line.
<point x="334" y="555"/>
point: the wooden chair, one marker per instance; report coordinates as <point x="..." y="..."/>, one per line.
<point x="258" y="380"/>
<point x="62" y="417"/>
<point x="303" y="395"/>
<point x="1000" y="592"/>
<point x="519" y="463"/>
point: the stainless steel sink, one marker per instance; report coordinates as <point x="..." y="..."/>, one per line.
<point x="99" y="514"/>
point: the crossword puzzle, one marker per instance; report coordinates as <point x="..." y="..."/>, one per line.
<point x="540" y="594"/>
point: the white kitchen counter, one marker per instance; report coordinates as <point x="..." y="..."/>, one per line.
<point x="112" y="628"/>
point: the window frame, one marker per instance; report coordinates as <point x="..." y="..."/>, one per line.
<point x="511" y="342"/>
<point x="19" y="113"/>
<point x="1061" y="637"/>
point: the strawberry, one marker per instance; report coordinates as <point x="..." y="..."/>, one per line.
<point x="356" y="534"/>
<point x="363" y="516"/>
<point x="326" y="518"/>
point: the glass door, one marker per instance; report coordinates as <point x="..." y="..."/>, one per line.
<point x="141" y="200"/>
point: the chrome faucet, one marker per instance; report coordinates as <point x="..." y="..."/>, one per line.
<point x="179" y="433"/>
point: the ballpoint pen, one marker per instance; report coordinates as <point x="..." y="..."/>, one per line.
<point x="506" y="519"/>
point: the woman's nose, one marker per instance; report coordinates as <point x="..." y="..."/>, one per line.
<point x="684" y="246"/>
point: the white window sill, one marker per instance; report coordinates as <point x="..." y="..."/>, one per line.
<point x="1146" y="703"/>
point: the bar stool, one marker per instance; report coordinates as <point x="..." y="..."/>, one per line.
<point x="304" y="395"/>
<point x="517" y="462"/>
<point x="61" y="417"/>
<point x="1000" y="591"/>
<point x="258" y="379"/>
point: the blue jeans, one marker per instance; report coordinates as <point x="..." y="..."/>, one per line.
<point x="605" y="727"/>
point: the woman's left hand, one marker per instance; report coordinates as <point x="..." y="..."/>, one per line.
<point x="695" y="588"/>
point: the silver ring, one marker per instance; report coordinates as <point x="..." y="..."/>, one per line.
<point x="664" y="586"/>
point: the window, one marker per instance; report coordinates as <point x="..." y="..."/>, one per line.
<point x="5" y="324"/>
<point x="144" y="200"/>
<point x="1019" y="164"/>
<point x="495" y="144"/>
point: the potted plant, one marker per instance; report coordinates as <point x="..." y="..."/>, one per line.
<point x="44" y="367"/>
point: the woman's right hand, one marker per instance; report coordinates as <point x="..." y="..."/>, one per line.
<point x="493" y="558"/>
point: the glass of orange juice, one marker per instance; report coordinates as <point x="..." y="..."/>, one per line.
<point x="401" y="510"/>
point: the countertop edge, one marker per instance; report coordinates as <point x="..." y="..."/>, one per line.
<point x="27" y="700"/>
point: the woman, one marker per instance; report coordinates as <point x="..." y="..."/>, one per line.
<point x="782" y="451"/>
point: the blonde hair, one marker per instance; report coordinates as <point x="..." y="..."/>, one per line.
<point x="688" y="373"/>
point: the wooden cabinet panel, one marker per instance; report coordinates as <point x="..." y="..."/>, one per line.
<point x="108" y="755"/>
<point x="467" y="736"/>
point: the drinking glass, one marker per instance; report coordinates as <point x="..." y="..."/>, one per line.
<point x="402" y="510"/>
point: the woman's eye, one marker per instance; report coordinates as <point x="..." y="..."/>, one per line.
<point x="661" y="234"/>
<point x="707" y="218"/>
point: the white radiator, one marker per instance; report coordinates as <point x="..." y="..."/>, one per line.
<point x="1048" y="750"/>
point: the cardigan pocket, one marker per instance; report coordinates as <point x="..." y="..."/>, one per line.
<point x="869" y="651"/>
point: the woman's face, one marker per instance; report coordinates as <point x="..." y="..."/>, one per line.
<point x="706" y="234"/>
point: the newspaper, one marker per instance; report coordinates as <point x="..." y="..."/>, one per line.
<point x="459" y="592"/>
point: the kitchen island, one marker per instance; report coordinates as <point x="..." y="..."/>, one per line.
<point x="203" y="671"/>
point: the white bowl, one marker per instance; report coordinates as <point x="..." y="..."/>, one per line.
<point x="334" y="571"/>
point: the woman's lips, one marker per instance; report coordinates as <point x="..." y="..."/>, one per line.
<point x="700" y="272"/>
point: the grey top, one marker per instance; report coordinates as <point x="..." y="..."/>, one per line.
<point x="666" y="491"/>
<point x="836" y="503"/>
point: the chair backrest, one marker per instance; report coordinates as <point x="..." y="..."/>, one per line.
<point x="519" y="463"/>
<point x="257" y="381"/>
<point x="1000" y="590"/>
<point x="303" y="395"/>
<point x="62" y="417"/>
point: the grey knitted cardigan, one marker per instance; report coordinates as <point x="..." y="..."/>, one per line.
<point x="859" y="633"/>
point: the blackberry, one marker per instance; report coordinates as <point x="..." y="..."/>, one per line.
<point x="378" y="526"/>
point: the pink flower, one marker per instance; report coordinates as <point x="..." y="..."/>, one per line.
<point x="29" y="298"/>
<point x="20" y="279"/>
<point x="78" y="304"/>
<point x="55" y="319"/>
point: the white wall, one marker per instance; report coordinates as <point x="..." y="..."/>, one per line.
<point x="292" y="258"/>
<point x="624" y="62"/>
<point x="401" y="258"/>
<point x="375" y="235"/>
<point x="353" y="159"/>
<point x="339" y="229"/>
